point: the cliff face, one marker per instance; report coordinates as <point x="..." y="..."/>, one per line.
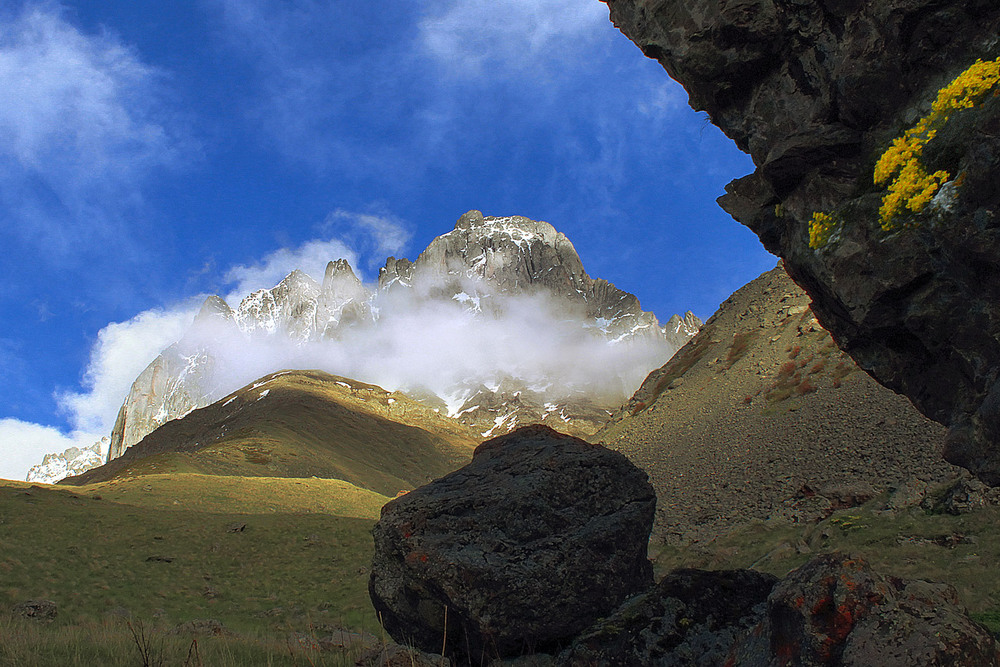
<point x="904" y="268"/>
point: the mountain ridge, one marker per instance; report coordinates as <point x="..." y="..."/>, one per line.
<point x="483" y="269"/>
<point x="760" y="416"/>
<point x="302" y="424"/>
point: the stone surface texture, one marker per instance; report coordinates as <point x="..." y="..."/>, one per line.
<point x="835" y="610"/>
<point x="691" y="618"/>
<point x="522" y="549"/>
<point x="816" y="92"/>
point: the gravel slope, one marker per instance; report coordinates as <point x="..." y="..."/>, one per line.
<point x="761" y="415"/>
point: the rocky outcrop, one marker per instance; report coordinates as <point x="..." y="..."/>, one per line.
<point x="692" y="617"/>
<point x="902" y="271"/>
<point x="73" y="461"/>
<point x="517" y="552"/>
<point x="480" y="269"/>
<point x="835" y="610"/>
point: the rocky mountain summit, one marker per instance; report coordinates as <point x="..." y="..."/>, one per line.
<point x="875" y="129"/>
<point x="507" y="270"/>
<point x="73" y="461"/>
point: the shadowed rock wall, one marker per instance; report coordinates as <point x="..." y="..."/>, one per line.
<point x="816" y="92"/>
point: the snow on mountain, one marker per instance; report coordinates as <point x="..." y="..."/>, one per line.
<point x="73" y="461"/>
<point x="515" y="271"/>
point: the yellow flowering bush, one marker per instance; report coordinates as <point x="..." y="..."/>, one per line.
<point x="911" y="186"/>
<point x="821" y="229"/>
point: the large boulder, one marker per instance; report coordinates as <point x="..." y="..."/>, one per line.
<point x="517" y="552"/>
<point x="835" y="610"/>
<point x="904" y="277"/>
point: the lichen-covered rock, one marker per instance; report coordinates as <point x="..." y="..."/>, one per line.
<point x="835" y="610"/>
<point x="530" y="543"/>
<point x="691" y="618"/>
<point x="817" y="92"/>
<point x="969" y="495"/>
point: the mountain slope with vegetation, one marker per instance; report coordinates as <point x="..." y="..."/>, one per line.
<point x="303" y="424"/>
<point x="760" y="415"/>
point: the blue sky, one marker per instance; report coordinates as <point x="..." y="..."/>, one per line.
<point x="152" y="153"/>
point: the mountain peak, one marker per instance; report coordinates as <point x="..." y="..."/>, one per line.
<point x="477" y="265"/>
<point x="469" y="219"/>
<point x="298" y="276"/>
<point x="214" y="307"/>
<point x="337" y="267"/>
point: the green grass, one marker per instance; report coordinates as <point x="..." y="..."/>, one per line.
<point x="250" y="495"/>
<point x="127" y="551"/>
<point x="958" y="550"/>
<point x="111" y="643"/>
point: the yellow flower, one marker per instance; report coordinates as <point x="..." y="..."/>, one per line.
<point x="821" y="229"/>
<point x="910" y="186"/>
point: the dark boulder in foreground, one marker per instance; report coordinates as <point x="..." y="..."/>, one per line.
<point x="835" y="610"/>
<point x="535" y="539"/>
<point x="692" y="617"/>
<point x="832" y="611"/>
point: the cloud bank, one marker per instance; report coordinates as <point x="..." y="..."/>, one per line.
<point x="82" y="124"/>
<point x="121" y="352"/>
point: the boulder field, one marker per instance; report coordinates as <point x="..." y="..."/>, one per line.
<point x="538" y="548"/>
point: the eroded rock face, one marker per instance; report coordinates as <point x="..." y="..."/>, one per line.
<point x="536" y="538"/>
<point x="816" y="92"/>
<point x="835" y="610"/>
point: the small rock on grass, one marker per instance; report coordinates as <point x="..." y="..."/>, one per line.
<point x="395" y="655"/>
<point x="38" y="610"/>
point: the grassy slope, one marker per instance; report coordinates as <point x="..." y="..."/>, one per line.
<point x="99" y="552"/>
<point x="916" y="544"/>
<point x="302" y="424"/>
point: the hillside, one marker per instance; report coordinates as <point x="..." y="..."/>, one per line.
<point x="303" y="424"/>
<point x="760" y="415"/>
<point x="848" y="109"/>
<point x="496" y="323"/>
<point x="267" y="560"/>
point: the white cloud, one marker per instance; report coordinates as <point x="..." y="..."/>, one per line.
<point x="377" y="235"/>
<point x="509" y="35"/>
<point x="310" y="257"/>
<point x="81" y="125"/>
<point x="122" y="351"/>
<point x="23" y="444"/>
